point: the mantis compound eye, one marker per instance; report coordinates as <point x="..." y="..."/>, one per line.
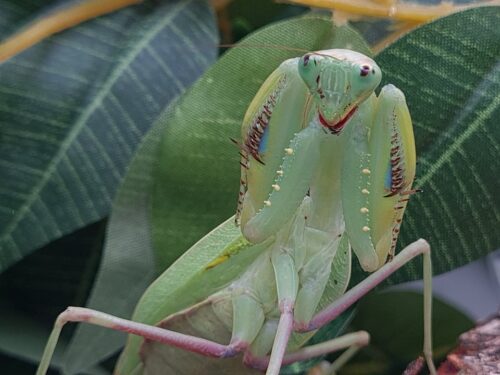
<point x="306" y="59"/>
<point x="365" y="69"/>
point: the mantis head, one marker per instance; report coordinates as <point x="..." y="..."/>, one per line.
<point x="339" y="81"/>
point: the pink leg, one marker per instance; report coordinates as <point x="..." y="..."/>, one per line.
<point x="285" y="328"/>
<point x="360" y="338"/>
<point x="353" y="341"/>
<point x="190" y="343"/>
<point x="351" y="296"/>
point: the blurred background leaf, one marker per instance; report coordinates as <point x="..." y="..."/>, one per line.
<point x="449" y="71"/>
<point x="440" y="68"/>
<point x="395" y="322"/>
<point x="74" y="107"/>
<point x="73" y="110"/>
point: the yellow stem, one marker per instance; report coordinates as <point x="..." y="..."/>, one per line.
<point x="398" y="11"/>
<point x="401" y="29"/>
<point x="58" y="21"/>
<point x="220" y="5"/>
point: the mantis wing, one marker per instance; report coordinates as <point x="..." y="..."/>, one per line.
<point x="203" y="270"/>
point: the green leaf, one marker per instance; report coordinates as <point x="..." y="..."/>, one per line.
<point x="395" y="322"/>
<point x="127" y="265"/>
<point x="196" y="188"/>
<point x="74" y="108"/>
<point x="197" y="183"/>
<point x="449" y="71"/>
<point x="193" y="114"/>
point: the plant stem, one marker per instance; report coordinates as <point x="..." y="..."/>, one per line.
<point x="58" y="21"/>
<point x="391" y="9"/>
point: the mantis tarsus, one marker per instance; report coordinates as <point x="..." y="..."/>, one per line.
<point x="326" y="165"/>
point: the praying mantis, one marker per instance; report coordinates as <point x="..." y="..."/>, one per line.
<point x="326" y="166"/>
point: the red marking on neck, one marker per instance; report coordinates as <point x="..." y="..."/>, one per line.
<point x="339" y="125"/>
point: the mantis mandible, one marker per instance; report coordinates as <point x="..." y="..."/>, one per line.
<point x="326" y="167"/>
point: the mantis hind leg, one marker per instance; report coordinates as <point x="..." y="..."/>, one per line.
<point x="187" y="342"/>
<point x="288" y="247"/>
<point x="351" y="341"/>
<point x="332" y="311"/>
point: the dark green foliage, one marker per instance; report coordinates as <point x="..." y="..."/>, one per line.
<point x="450" y="73"/>
<point x="395" y="322"/>
<point x="183" y="179"/>
<point x="72" y="111"/>
<point x="74" y="108"/>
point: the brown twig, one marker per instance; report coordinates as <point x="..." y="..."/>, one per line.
<point x="58" y="21"/>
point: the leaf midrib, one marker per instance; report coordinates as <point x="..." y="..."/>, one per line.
<point x="464" y="136"/>
<point x="75" y="131"/>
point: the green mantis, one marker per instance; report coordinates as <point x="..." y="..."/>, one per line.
<point x="326" y="166"/>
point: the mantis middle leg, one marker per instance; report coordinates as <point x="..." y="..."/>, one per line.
<point x="420" y="247"/>
<point x="187" y="342"/>
<point x="358" y="339"/>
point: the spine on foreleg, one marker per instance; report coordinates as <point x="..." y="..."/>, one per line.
<point x="378" y="170"/>
<point x="289" y="188"/>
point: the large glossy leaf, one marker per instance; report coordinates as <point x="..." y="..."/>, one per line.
<point x="195" y="147"/>
<point x="197" y="182"/>
<point x="74" y="108"/>
<point x="196" y="112"/>
<point x="164" y="47"/>
<point x="127" y="266"/>
<point x="450" y="73"/>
